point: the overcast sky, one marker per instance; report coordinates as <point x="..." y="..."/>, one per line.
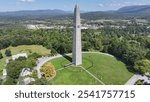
<point x="68" y="5"/>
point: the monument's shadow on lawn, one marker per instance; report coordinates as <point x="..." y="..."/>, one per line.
<point x="67" y="57"/>
<point x="63" y="64"/>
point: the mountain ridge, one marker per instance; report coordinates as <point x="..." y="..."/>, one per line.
<point x="48" y="12"/>
<point x="135" y="9"/>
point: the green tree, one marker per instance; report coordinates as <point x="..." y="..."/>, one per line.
<point x="142" y="66"/>
<point x="1" y="56"/>
<point x="53" y="52"/>
<point x="1" y="81"/>
<point x="148" y="55"/>
<point x="8" y="52"/>
<point x="10" y="81"/>
<point x="42" y="81"/>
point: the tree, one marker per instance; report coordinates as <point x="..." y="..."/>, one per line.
<point x="48" y="70"/>
<point x="8" y="52"/>
<point x="148" y="55"/>
<point x="132" y="55"/>
<point x="10" y="81"/>
<point x="1" y="56"/>
<point x="142" y="66"/>
<point x="53" y="52"/>
<point x="1" y="81"/>
<point x="41" y="81"/>
<point x="98" y="44"/>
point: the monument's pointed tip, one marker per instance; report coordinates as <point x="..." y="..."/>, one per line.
<point x="77" y="5"/>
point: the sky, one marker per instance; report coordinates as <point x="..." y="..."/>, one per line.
<point x="68" y="5"/>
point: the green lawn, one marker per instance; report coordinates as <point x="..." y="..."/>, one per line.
<point x="74" y="76"/>
<point x="106" y="68"/>
<point x="28" y="49"/>
<point x="24" y="48"/>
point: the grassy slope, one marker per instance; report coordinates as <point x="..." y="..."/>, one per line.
<point x="105" y="68"/>
<point x="108" y="69"/>
<point x="24" y="48"/>
<point x="71" y="75"/>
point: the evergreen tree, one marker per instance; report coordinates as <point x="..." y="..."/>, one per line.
<point x="8" y="52"/>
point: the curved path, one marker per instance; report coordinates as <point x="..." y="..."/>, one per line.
<point x="135" y="78"/>
<point x="43" y="60"/>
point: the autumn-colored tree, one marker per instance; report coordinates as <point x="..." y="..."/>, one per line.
<point x="48" y="70"/>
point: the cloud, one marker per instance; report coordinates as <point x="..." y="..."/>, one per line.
<point x="101" y="5"/>
<point x="115" y="5"/>
<point x="27" y="1"/>
<point x="127" y="2"/>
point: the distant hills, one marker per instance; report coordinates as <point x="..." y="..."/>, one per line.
<point x="128" y="12"/>
<point x="139" y="11"/>
<point x="135" y="9"/>
<point x="55" y="12"/>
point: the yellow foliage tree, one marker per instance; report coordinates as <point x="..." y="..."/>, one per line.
<point x="48" y="70"/>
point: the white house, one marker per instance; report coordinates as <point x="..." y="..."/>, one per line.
<point x="14" y="57"/>
<point x="26" y="79"/>
<point x="26" y="71"/>
<point x="4" y="74"/>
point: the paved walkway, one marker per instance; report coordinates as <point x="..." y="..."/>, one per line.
<point x="134" y="78"/>
<point x="43" y="60"/>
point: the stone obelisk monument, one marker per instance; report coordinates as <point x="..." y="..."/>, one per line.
<point x="77" y="50"/>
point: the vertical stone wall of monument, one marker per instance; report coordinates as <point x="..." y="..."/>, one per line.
<point x="77" y="49"/>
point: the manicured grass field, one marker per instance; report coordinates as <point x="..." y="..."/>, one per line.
<point x="74" y="76"/>
<point x="24" y="48"/>
<point x="106" y="68"/>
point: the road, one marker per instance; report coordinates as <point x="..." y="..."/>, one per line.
<point x="43" y="60"/>
<point x="134" y="78"/>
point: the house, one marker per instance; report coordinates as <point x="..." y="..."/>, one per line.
<point x="4" y="74"/>
<point x="25" y="74"/>
<point x="147" y="74"/>
<point x="14" y="57"/>
<point x="26" y="71"/>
